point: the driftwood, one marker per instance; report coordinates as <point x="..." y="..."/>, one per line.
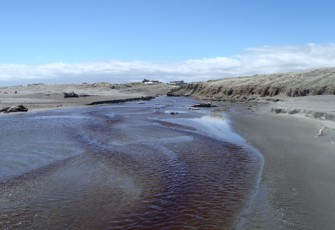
<point x="13" y="109"/>
<point x="70" y="94"/>
<point x="203" y="105"/>
<point x="122" y="100"/>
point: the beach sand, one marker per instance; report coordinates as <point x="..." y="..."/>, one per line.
<point x="297" y="189"/>
<point x="48" y="96"/>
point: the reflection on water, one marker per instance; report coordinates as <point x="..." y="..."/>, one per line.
<point x="126" y="166"/>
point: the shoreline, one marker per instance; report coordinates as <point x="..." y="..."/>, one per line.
<point x="297" y="188"/>
<point x="297" y="185"/>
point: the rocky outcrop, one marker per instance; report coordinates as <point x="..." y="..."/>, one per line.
<point x="13" y="109"/>
<point x="316" y="82"/>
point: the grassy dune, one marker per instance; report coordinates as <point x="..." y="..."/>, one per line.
<point x="316" y="82"/>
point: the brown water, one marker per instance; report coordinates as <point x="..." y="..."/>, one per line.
<point x="127" y="166"/>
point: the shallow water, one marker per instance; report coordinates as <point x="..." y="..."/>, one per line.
<point x="125" y="166"/>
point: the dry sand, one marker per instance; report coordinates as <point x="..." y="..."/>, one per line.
<point x="41" y="96"/>
<point x="297" y="189"/>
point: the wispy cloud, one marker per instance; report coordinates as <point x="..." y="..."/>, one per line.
<point x="267" y="59"/>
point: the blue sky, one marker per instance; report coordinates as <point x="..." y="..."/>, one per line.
<point x="60" y="41"/>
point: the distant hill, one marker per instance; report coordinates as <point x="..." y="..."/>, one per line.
<point x="315" y="82"/>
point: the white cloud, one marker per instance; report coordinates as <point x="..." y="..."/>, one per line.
<point x="271" y="59"/>
<point x="267" y="59"/>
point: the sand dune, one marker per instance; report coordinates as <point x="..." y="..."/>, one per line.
<point x="316" y="82"/>
<point x="308" y="94"/>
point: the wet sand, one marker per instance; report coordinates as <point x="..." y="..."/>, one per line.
<point x="298" y="184"/>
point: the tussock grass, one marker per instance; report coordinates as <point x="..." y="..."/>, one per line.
<point x="315" y="82"/>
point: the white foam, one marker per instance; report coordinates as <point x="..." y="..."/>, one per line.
<point x="215" y="127"/>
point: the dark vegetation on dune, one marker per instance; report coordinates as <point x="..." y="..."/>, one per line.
<point x="316" y="82"/>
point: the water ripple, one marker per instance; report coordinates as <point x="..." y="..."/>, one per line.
<point x="137" y="169"/>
